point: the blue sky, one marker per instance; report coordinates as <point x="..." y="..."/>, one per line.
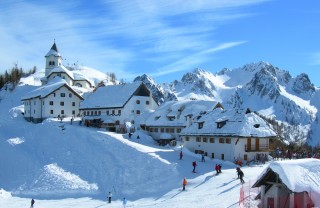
<point x="163" y="38"/>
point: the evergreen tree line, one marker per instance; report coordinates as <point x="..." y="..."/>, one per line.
<point x="13" y="76"/>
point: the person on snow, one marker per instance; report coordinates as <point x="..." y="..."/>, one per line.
<point x="238" y="170"/>
<point x="181" y="155"/>
<point x="194" y="164"/>
<point x="124" y="202"/>
<point x="109" y="197"/>
<point x="202" y="158"/>
<point x="184" y="183"/>
<point x="217" y="169"/>
<point x="32" y="203"/>
<point x="241" y="176"/>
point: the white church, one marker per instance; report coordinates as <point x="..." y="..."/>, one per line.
<point x="57" y="96"/>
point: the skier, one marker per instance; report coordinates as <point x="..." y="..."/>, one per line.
<point x="202" y="159"/>
<point x="124" y="202"/>
<point x="32" y="203"/>
<point x="217" y="169"/>
<point x="181" y="155"/>
<point x="184" y="183"/>
<point x="241" y="176"/>
<point x="109" y="197"/>
<point x="194" y="164"/>
<point x="238" y="170"/>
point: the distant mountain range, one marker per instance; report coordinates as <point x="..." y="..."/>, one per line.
<point x="290" y="103"/>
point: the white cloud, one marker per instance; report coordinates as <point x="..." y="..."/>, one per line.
<point x="194" y="59"/>
<point x="114" y="35"/>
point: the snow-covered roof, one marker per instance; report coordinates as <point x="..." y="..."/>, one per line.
<point x="53" y="51"/>
<point x="111" y="96"/>
<point x="174" y="113"/>
<point x="74" y="75"/>
<point x="233" y="123"/>
<point x="297" y="175"/>
<point x="62" y="69"/>
<point x="47" y="89"/>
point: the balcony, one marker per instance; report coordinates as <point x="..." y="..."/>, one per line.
<point x="254" y="148"/>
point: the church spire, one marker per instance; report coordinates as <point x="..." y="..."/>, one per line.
<point x="54" y="46"/>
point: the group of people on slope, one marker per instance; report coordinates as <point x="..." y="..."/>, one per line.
<point x="124" y="200"/>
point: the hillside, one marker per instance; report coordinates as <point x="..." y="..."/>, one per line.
<point x="54" y="161"/>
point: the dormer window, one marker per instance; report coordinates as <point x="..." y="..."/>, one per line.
<point x="256" y="125"/>
<point x="220" y="124"/>
<point x="200" y="125"/>
<point x="171" y="118"/>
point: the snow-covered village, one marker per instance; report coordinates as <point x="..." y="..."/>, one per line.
<point x="75" y="137"/>
<point x="159" y="104"/>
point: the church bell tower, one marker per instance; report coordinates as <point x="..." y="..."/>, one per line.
<point x="53" y="59"/>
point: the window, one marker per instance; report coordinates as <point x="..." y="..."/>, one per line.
<point x="119" y="112"/>
<point x="51" y="103"/>
<point x="222" y="156"/>
<point x="167" y="130"/>
<point x="54" y="94"/>
<point x="212" y="155"/>
<point x="34" y="111"/>
<point x="245" y="157"/>
<point x="73" y="112"/>
<point x="62" y="103"/>
<point x="186" y="139"/>
<point x="84" y="113"/>
<point x="95" y="113"/>
<point x="200" y="125"/>
<point x="113" y="112"/>
<point x="178" y="130"/>
<point x="92" y="113"/>
<point x="73" y="103"/>
<point x="99" y="112"/>
<point x="107" y="112"/>
<point x="204" y="139"/>
<point x="171" y="130"/>
<point x="70" y="95"/>
<point x="138" y="112"/>
<point x="147" y="102"/>
<point x="211" y="140"/>
<point x="138" y="101"/>
<point x="162" y="130"/>
<point x="62" y="94"/>
<point x="155" y="129"/>
<point x="221" y="140"/>
<point x="62" y="112"/>
<point x="151" y="129"/>
<point x="198" y="139"/>
<point x="228" y="140"/>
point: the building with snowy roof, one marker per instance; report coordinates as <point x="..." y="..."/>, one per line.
<point x="290" y="183"/>
<point x="166" y="123"/>
<point x="54" y="68"/>
<point x="112" y="106"/>
<point x="233" y="135"/>
<point x="55" y="99"/>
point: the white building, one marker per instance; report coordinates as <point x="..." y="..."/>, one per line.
<point x="231" y="135"/>
<point x="290" y="184"/>
<point x="55" y="68"/>
<point x="112" y="106"/>
<point x="55" y="99"/>
<point x="166" y="123"/>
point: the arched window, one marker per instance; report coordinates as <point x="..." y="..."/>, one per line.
<point x="138" y="101"/>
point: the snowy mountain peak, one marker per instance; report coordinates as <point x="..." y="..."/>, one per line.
<point x="303" y="85"/>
